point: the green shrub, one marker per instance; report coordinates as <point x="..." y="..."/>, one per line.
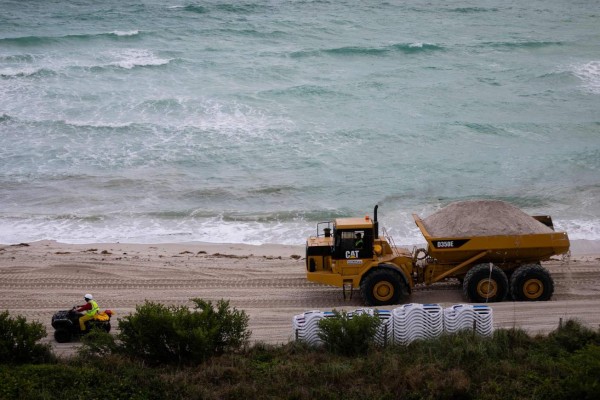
<point x="97" y="343"/>
<point x="573" y="336"/>
<point x="161" y="334"/>
<point x="348" y="334"/>
<point x="100" y="378"/>
<point x="508" y="365"/>
<point x="582" y="381"/>
<point x="19" y="341"/>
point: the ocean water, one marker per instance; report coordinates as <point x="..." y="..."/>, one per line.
<point x="250" y="121"/>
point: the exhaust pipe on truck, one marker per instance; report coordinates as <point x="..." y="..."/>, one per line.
<point x="375" y="223"/>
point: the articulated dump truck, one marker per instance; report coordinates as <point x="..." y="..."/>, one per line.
<point x="494" y="249"/>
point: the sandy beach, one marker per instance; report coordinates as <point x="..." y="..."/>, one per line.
<point x="267" y="281"/>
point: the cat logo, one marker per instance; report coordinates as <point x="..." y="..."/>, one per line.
<point x="352" y="254"/>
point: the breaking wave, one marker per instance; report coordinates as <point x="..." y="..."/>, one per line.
<point x="43" y="40"/>
<point x="407" y="48"/>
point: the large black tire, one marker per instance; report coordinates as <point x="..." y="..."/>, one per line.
<point x="531" y="282"/>
<point x="484" y="286"/>
<point x="382" y="287"/>
<point x="62" y="336"/>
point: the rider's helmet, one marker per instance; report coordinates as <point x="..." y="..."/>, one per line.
<point x="88" y="297"/>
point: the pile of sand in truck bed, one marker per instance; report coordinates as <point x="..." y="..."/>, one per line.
<point x="482" y="218"/>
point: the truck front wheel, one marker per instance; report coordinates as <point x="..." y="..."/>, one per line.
<point x="485" y="283"/>
<point x="383" y="287"/>
<point x="531" y="282"/>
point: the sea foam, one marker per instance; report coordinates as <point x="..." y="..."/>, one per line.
<point x="126" y="33"/>
<point x="589" y="73"/>
<point x="131" y="58"/>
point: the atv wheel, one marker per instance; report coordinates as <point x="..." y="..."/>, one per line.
<point x="62" y="336"/>
<point x="531" y="282"/>
<point x="382" y="287"/>
<point x="482" y="285"/>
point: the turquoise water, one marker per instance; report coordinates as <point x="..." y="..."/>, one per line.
<point x="249" y="122"/>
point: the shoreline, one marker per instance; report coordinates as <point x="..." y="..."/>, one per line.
<point x="579" y="247"/>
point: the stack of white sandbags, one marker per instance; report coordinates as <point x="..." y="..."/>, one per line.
<point x="305" y="326"/>
<point x="469" y="317"/>
<point x="406" y="323"/>
<point x="417" y="321"/>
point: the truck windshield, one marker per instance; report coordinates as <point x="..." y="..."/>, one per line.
<point x="355" y="243"/>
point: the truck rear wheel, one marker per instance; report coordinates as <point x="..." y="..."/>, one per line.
<point x="383" y="287"/>
<point x="482" y="285"/>
<point x="531" y="282"/>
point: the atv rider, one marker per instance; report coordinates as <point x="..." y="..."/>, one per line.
<point x="90" y="308"/>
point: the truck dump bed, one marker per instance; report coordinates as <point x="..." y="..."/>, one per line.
<point x="504" y="248"/>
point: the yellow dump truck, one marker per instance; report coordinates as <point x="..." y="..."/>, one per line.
<point x="351" y="254"/>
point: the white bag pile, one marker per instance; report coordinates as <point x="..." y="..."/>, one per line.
<point x="306" y="325"/>
<point x="417" y="321"/>
<point x="468" y="316"/>
<point x="406" y="323"/>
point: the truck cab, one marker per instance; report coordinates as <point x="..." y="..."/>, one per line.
<point x="339" y="244"/>
<point x="348" y="253"/>
<point x="353" y="239"/>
